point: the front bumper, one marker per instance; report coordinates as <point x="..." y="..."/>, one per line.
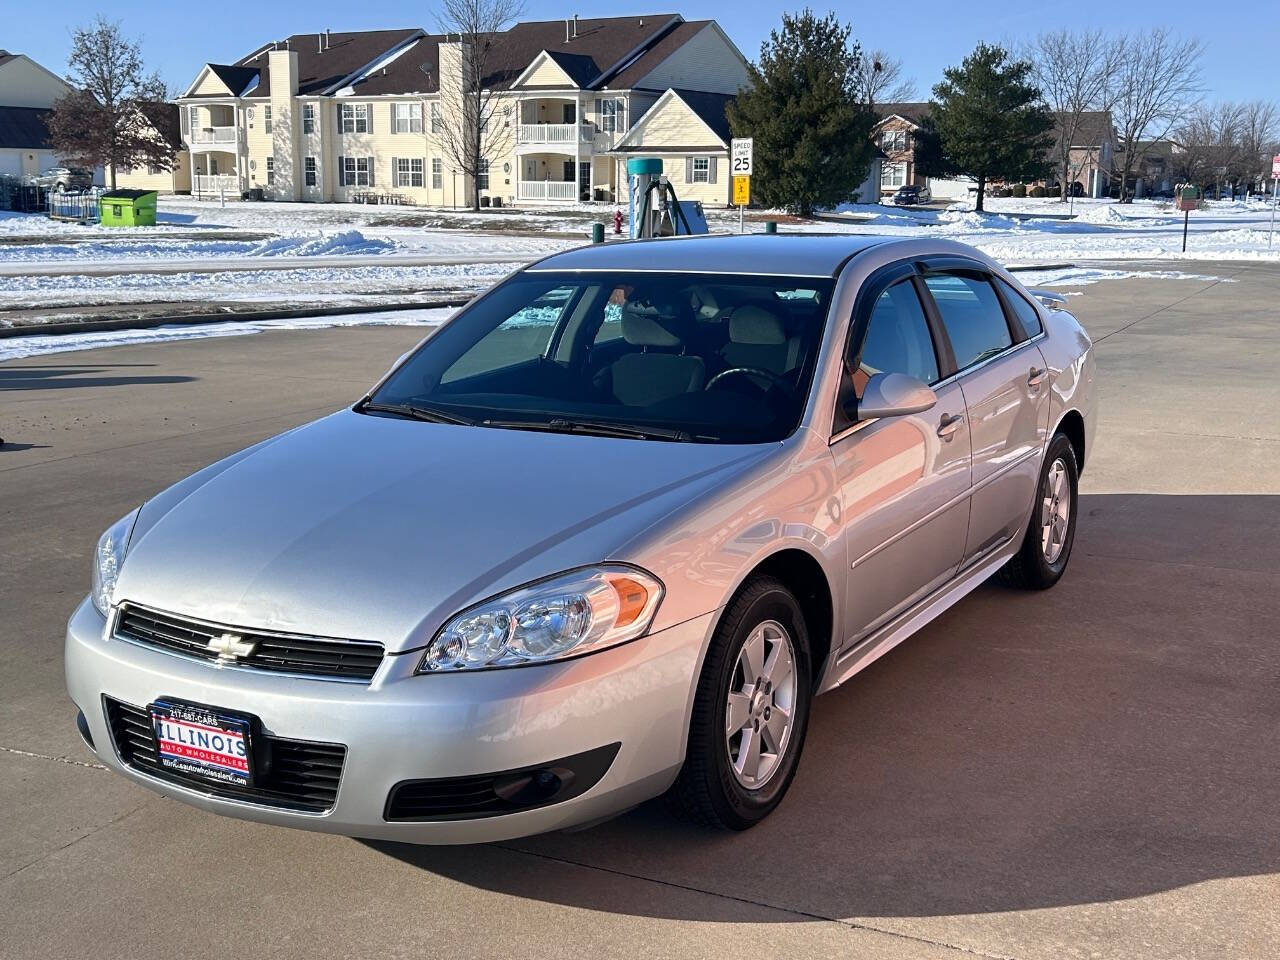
<point x="406" y="727"/>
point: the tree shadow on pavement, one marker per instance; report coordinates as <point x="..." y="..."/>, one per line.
<point x="1108" y="739"/>
<point x="58" y="378"/>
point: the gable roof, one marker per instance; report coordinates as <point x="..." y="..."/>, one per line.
<point x="913" y="112"/>
<point x="707" y="107"/>
<point x="6" y="56"/>
<point x="234" y="77"/>
<point x="25" y="127"/>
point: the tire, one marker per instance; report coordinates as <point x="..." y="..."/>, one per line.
<point x="1032" y="567"/>
<point x="709" y="790"/>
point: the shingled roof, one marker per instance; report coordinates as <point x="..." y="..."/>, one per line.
<point x="326" y="59"/>
<point x="25" y="128"/>
<point x="914" y="111"/>
<point x="602" y="48"/>
<point x="165" y="118"/>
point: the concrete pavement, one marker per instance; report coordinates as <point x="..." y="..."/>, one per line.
<point x="1086" y="772"/>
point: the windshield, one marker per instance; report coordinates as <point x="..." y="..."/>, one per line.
<point x="698" y="357"/>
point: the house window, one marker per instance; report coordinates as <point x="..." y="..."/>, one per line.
<point x="309" y="171"/>
<point x="435" y="117"/>
<point x="437" y="173"/>
<point x="482" y="175"/>
<point x="701" y="169"/>
<point x="266" y="119"/>
<point x="355" y="171"/>
<point x="893" y="141"/>
<point x="271" y="170"/>
<point x="355" y="118"/>
<point x="612" y="112"/>
<point x="406" y="118"/>
<point x="893" y="174"/>
<point x="408" y="172"/>
<point x="308" y="118"/>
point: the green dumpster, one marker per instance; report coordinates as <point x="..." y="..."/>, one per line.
<point x="127" y="208"/>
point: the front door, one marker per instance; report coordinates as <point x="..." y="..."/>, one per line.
<point x="570" y="113"/>
<point x="1004" y="380"/>
<point x="584" y="180"/>
<point x="904" y="481"/>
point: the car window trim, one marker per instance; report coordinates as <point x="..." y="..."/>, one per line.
<point x="1009" y="310"/>
<point x="856" y="332"/>
<point x="955" y="265"/>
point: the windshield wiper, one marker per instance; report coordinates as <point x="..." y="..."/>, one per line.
<point x="592" y="428"/>
<point x="414" y="411"/>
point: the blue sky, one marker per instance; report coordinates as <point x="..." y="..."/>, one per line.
<point x="178" y="39"/>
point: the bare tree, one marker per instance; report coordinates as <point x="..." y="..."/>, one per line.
<point x="1075" y="72"/>
<point x="1259" y="133"/>
<point x="100" y="122"/>
<point x="1210" y="139"/>
<point x="482" y="125"/>
<point x="1157" y="81"/>
<point x="880" y="80"/>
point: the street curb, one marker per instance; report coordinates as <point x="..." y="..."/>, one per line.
<point x="197" y="319"/>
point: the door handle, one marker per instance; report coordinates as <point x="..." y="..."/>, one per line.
<point x="949" y="425"/>
<point x="1036" y="376"/>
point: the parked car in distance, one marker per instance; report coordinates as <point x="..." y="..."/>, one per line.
<point x="910" y="194"/>
<point x="63" y="179"/>
<point x="602" y="536"/>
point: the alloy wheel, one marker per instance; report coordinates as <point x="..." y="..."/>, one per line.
<point x="761" y="705"/>
<point x="1055" y="511"/>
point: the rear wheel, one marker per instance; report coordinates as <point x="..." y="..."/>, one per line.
<point x="1046" y="546"/>
<point x="750" y="711"/>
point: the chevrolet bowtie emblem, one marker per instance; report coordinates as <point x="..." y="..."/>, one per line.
<point x="231" y="647"/>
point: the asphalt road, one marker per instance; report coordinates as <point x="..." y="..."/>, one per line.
<point x="1087" y="772"/>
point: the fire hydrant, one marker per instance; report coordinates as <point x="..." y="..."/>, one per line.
<point x="617" y="222"/>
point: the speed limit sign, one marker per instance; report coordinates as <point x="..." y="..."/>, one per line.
<point x="740" y="157"/>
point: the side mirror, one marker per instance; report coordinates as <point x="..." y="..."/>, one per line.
<point x="894" y="395"/>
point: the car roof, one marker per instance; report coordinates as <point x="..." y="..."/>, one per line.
<point x="789" y="255"/>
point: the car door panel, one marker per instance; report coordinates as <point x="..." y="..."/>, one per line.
<point x="1008" y="415"/>
<point x="904" y="492"/>
<point x="903" y="481"/>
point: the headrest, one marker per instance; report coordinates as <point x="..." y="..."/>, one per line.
<point x="753" y="324"/>
<point x="647" y="327"/>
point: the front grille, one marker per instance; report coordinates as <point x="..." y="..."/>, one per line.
<point x="493" y="794"/>
<point x="294" y="774"/>
<point x="281" y="653"/>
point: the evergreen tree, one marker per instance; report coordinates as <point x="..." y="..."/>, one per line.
<point x="812" y="135"/>
<point x="989" y="120"/>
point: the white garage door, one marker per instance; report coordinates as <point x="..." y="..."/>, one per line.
<point x="10" y="163"/>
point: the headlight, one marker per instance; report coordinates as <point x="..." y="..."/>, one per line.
<point x="574" y="613"/>
<point x="107" y="559"/>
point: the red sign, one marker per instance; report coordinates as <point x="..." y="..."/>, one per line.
<point x="1275" y="165"/>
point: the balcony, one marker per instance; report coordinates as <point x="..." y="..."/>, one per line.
<point x="560" y="137"/>
<point x="213" y="136"/>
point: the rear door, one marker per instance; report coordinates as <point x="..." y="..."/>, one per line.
<point x="903" y="481"/>
<point x="1005" y="383"/>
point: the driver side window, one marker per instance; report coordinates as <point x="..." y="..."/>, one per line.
<point x="897" y="339"/>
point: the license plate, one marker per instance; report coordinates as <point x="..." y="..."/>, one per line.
<point x="202" y="742"/>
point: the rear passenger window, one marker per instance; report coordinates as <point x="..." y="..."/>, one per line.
<point x="897" y="339"/>
<point x="1028" y="319"/>
<point x="972" y="315"/>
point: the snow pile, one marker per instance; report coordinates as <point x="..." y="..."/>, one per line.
<point x="1076" y="276"/>
<point x="1108" y="214"/>
<point x="346" y="243"/>
<point x="17" y="348"/>
<point x="967" y="221"/>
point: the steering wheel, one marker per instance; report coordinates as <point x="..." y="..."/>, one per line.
<point x="775" y="380"/>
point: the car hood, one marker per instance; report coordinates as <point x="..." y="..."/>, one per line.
<point x="371" y="528"/>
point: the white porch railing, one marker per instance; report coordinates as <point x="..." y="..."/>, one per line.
<point x="565" y="133"/>
<point x="216" y="185"/>
<point x="546" y="190"/>
<point x="213" y="135"/>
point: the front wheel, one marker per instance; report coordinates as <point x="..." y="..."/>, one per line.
<point x="1046" y="547"/>
<point x="750" y="711"/>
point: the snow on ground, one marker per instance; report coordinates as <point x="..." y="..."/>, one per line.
<point x="1083" y="276"/>
<point x="1028" y="231"/>
<point x="17" y="348"/>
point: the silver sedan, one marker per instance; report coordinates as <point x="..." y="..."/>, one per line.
<point x="600" y="537"/>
